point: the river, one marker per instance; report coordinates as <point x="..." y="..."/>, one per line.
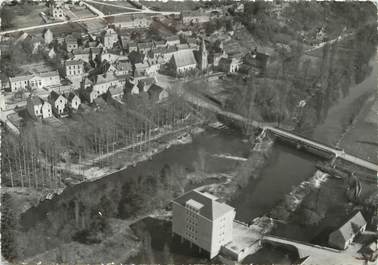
<point x="287" y="167"/>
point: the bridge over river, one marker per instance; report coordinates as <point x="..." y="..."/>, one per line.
<point x="333" y="152"/>
<point x="314" y="254"/>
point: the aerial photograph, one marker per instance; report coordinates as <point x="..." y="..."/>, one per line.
<point x="188" y="132"/>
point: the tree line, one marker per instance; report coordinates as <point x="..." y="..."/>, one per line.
<point x="31" y="159"/>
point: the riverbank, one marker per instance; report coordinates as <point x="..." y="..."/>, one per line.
<point x="101" y="166"/>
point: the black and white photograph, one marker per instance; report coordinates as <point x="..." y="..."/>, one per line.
<point x="188" y="132"/>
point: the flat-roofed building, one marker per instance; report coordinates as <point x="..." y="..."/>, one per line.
<point x="202" y="219"/>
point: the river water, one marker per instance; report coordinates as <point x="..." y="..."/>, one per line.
<point x="287" y="167"/>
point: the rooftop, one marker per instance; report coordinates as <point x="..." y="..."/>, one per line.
<point x="212" y="208"/>
<point x="73" y="62"/>
<point x="184" y="57"/>
<point x="353" y="225"/>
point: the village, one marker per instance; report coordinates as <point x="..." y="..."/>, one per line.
<point x="91" y="90"/>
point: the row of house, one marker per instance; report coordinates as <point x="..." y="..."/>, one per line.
<point x="56" y="103"/>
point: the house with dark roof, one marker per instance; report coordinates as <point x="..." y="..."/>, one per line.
<point x="38" y="108"/>
<point x="182" y="61"/>
<point x="58" y="102"/>
<point x="344" y="236"/>
<point x="73" y="101"/>
<point x="229" y="65"/>
<point x="157" y="94"/>
<point x="203" y="220"/>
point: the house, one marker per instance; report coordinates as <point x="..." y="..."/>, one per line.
<point x="45" y="79"/>
<point x="38" y="108"/>
<point x="74" y="69"/>
<point x="229" y="65"/>
<point x="216" y="57"/>
<point x="157" y="93"/>
<point x="122" y="67"/>
<point x="100" y="103"/>
<point x="132" y="47"/>
<point x="163" y="52"/>
<point x="48" y="36"/>
<point x="51" y="53"/>
<point x="130" y="21"/>
<point x="256" y="60"/>
<point x="81" y="54"/>
<point x="144" y="84"/>
<point x="145" y="47"/>
<point x="20" y="82"/>
<point x="104" y="82"/>
<point x="115" y="92"/>
<point x="182" y="61"/>
<point x="201" y="219"/>
<point x="160" y="43"/>
<point x="73" y="101"/>
<point x="140" y="68"/>
<point x="70" y="43"/>
<point x="154" y="65"/>
<point x="109" y="38"/>
<point x="172" y="40"/>
<point x="56" y="11"/>
<point x="343" y="237"/>
<point x="89" y="94"/>
<point x="2" y="101"/>
<point x="58" y="102"/>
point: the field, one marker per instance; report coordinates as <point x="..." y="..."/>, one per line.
<point x="171" y="5"/>
<point x="118" y="3"/>
<point x="109" y="10"/>
<point x="79" y="12"/>
<point x="22" y="15"/>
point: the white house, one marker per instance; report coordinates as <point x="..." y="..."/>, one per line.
<point x="38" y="108"/>
<point x="57" y="12"/>
<point x="58" y="102"/>
<point x="20" y="82"/>
<point x="202" y="220"/>
<point x="74" y="69"/>
<point x="48" y="36"/>
<point x="104" y="82"/>
<point x="110" y="37"/>
<point x="73" y="101"/>
<point x="71" y="43"/>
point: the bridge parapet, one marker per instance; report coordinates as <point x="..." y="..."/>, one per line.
<point x="304" y="249"/>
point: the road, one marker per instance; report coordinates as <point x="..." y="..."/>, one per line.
<point x="319" y="255"/>
<point x="151" y="12"/>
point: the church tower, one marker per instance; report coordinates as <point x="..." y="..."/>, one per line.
<point x="203" y="54"/>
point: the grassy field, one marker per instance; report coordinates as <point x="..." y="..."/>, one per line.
<point x="22" y="15"/>
<point x="171" y="5"/>
<point x="123" y="3"/>
<point x="109" y="10"/>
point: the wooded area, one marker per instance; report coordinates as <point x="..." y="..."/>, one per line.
<point x="31" y="159"/>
